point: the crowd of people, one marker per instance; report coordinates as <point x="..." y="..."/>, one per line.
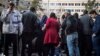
<point x="73" y="35"/>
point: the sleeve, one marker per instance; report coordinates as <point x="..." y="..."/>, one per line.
<point x="96" y="27"/>
<point x="20" y="25"/>
<point x="68" y="23"/>
<point x="3" y="16"/>
<point x="63" y="26"/>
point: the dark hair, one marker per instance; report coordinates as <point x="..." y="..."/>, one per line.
<point x="76" y="15"/>
<point x="85" y="12"/>
<point x="53" y="15"/>
<point x="63" y="16"/>
<point x="32" y="9"/>
<point x="11" y="4"/>
<point x="92" y="12"/>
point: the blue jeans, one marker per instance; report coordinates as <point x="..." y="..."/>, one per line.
<point x="72" y="43"/>
<point x="58" y="51"/>
<point x="96" y="45"/>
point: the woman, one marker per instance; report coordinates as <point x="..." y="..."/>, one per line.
<point x="51" y="38"/>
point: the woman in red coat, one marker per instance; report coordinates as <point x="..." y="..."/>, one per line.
<point x="51" y="38"/>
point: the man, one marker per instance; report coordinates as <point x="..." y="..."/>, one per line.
<point x="12" y="26"/>
<point x="63" y="35"/>
<point x="29" y="22"/>
<point x="96" y="32"/>
<point x="72" y="36"/>
<point x="86" y="43"/>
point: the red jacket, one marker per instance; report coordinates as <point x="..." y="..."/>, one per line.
<point x="52" y="31"/>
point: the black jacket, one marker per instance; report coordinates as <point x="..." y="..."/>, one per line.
<point x="29" y="22"/>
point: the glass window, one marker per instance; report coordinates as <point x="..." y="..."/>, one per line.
<point x="77" y="4"/>
<point x="52" y="10"/>
<point x="58" y="4"/>
<point x="83" y="4"/>
<point x="77" y="10"/>
<point x="71" y="4"/>
<point x="64" y="4"/>
<point x="82" y="10"/>
<point x="63" y="10"/>
<point x="58" y="9"/>
<point x="72" y="10"/>
<point x="52" y="4"/>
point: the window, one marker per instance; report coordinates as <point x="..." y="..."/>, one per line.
<point x="72" y="10"/>
<point x="71" y="4"/>
<point x="83" y="4"/>
<point x="52" y="4"/>
<point x="63" y="10"/>
<point x="58" y="10"/>
<point x="58" y="4"/>
<point x="77" y="10"/>
<point x="51" y="10"/>
<point x="64" y="4"/>
<point x="77" y="4"/>
<point x="82" y="10"/>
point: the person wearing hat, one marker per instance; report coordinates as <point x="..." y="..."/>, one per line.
<point x="12" y="26"/>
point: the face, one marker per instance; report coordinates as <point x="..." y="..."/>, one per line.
<point x="11" y="7"/>
<point x="66" y="14"/>
<point x="92" y="15"/>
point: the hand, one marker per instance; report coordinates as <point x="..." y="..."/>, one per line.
<point x="9" y="11"/>
<point x="93" y="35"/>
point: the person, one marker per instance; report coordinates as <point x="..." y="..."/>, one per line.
<point x="51" y="38"/>
<point x="96" y="32"/>
<point x="39" y="39"/>
<point x="80" y="32"/>
<point x="12" y="27"/>
<point x="1" y="42"/>
<point x="72" y="36"/>
<point x="63" y="35"/>
<point x="87" y="33"/>
<point x="29" y="20"/>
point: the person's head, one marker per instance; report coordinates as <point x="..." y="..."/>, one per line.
<point x="76" y="15"/>
<point x="52" y="15"/>
<point x="93" y="13"/>
<point x="85" y="12"/>
<point x="67" y="13"/>
<point x="11" y="5"/>
<point x="63" y="17"/>
<point x="32" y="9"/>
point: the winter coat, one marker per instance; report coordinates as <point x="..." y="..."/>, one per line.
<point x="12" y="22"/>
<point x="52" y="31"/>
<point x="87" y="24"/>
<point x="29" y="20"/>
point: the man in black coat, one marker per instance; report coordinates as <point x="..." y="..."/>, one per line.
<point x="29" y="22"/>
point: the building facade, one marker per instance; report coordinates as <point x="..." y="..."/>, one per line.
<point x="60" y="6"/>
